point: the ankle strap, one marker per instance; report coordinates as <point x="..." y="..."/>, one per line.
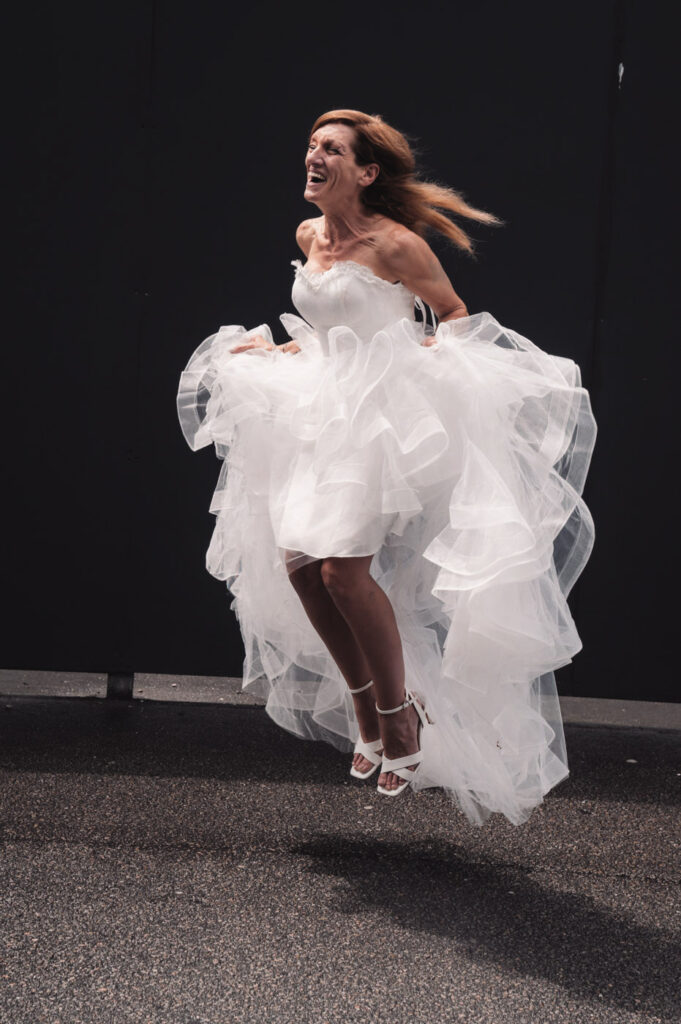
<point x="360" y="689"/>
<point x="392" y="711"/>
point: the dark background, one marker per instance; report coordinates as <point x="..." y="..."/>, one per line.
<point x="159" y="150"/>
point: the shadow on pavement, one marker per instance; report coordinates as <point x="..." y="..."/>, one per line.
<point x="499" y="913"/>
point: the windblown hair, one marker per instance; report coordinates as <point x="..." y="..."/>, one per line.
<point x="397" y="192"/>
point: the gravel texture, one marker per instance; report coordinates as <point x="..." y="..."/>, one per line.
<point x="167" y="863"/>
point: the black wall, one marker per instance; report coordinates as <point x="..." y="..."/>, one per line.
<point x="159" y="155"/>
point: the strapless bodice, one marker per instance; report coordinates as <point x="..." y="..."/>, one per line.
<point x="349" y="294"/>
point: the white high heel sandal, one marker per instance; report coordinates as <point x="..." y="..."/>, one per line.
<point x="367" y="750"/>
<point x="400" y="765"/>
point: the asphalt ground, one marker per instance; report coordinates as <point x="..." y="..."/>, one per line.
<point x="191" y="863"/>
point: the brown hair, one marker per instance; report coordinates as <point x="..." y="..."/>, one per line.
<point x="397" y="192"/>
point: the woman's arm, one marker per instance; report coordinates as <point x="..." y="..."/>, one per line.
<point x="304" y="236"/>
<point x="409" y="259"/>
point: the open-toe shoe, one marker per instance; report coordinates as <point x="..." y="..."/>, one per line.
<point x="371" y="751"/>
<point x="401" y="766"/>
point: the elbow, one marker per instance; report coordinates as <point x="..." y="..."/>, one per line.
<point x="457" y="313"/>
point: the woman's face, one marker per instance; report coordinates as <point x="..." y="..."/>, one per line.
<point x="333" y="176"/>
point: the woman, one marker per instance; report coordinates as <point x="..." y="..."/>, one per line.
<point x="398" y="515"/>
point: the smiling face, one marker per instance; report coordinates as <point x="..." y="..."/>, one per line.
<point x="333" y="175"/>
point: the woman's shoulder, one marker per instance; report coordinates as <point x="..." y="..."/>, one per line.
<point x="395" y="236"/>
<point x="400" y="247"/>
<point x="306" y="232"/>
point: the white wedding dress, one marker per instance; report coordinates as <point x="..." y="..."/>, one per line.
<point x="458" y="465"/>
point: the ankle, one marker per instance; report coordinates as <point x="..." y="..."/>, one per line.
<point x="399" y="730"/>
<point x="366" y="716"/>
<point x="396" y="709"/>
<point x="360" y="688"/>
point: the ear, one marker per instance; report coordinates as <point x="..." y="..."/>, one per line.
<point x="369" y="174"/>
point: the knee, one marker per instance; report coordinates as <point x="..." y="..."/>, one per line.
<point x="307" y="579"/>
<point x="338" y="576"/>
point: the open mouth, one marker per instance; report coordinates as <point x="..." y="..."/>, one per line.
<point x="315" y="179"/>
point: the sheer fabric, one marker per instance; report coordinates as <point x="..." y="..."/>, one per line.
<point x="459" y="466"/>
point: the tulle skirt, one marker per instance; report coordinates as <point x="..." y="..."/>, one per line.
<point x="460" y="468"/>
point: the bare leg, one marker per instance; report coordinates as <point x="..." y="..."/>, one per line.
<point x="341" y="645"/>
<point x="368" y="612"/>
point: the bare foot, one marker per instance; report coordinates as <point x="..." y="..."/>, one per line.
<point x="367" y="719"/>
<point x="400" y="737"/>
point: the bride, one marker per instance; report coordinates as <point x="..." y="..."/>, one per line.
<point x="418" y="493"/>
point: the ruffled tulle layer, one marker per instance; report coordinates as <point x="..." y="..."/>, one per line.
<point x="460" y="466"/>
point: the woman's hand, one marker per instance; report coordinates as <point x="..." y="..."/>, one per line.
<point x="290" y="346"/>
<point x="431" y="340"/>
<point x="257" y="341"/>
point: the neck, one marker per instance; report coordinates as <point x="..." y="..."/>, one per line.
<point x="345" y="225"/>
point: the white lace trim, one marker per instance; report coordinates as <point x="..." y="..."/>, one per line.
<point x="348" y="267"/>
